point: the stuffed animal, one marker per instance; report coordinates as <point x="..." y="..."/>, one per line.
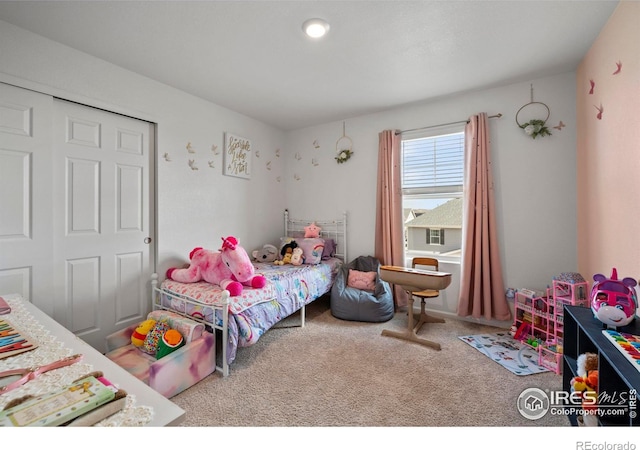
<point x="267" y="254"/>
<point x="613" y="301"/>
<point x="585" y="363"/>
<point x="140" y="333"/>
<point x="312" y="231"/>
<point x="586" y="384"/>
<point x="296" y="256"/>
<point x="171" y="341"/>
<point x="230" y="268"/>
<point x="288" y="248"/>
<point x="286" y="259"/>
<point x="286" y="252"/>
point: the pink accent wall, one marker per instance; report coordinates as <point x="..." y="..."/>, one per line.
<point x="608" y="148"/>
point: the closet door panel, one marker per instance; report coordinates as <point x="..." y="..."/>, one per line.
<point x="76" y="227"/>
<point x="26" y="200"/>
<point x="102" y="197"/>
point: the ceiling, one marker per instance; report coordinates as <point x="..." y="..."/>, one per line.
<point x="252" y="57"/>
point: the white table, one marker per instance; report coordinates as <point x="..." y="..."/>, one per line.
<point x="165" y="412"/>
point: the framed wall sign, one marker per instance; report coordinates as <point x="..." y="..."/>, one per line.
<point x="237" y="156"/>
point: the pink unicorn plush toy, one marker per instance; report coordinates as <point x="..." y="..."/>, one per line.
<point x="230" y="268"/>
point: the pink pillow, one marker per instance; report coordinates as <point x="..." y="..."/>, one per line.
<point x="365" y="281"/>
<point x="312" y="231"/>
<point x="312" y="249"/>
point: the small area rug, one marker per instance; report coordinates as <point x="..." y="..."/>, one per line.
<point x="506" y="351"/>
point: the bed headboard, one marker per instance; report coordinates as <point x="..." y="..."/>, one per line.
<point x="335" y="229"/>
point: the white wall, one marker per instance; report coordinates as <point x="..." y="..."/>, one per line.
<point x="535" y="180"/>
<point x="194" y="207"/>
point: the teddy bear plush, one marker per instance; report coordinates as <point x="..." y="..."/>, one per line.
<point x="230" y="268"/>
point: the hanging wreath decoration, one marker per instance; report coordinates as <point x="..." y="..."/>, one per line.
<point x="534" y="127"/>
<point x="344" y="146"/>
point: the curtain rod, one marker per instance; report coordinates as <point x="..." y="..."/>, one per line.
<point x="444" y="124"/>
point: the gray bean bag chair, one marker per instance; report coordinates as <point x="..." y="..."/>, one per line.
<point x="363" y="305"/>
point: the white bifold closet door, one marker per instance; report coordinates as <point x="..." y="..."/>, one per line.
<point x="94" y="192"/>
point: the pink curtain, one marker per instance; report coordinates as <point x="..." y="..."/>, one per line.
<point x="482" y="290"/>
<point x="389" y="244"/>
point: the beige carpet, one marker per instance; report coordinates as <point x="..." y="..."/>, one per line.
<point x="341" y="373"/>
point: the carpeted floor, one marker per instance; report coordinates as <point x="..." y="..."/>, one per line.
<point x="341" y="373"/>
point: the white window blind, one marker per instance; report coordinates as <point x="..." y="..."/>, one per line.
<point x="433" y="165"/>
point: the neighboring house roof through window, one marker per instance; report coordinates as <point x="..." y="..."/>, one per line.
<point x="447" y="215"/>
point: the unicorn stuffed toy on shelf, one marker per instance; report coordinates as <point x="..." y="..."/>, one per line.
<point x="230" y="268"/>
<point x="613" y="301"/>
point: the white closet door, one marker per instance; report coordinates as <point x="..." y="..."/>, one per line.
<point x="26" y="248"/>
<point x="102" y="203"/>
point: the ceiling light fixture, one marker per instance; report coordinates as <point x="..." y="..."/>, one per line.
<point x="315" y="28"/>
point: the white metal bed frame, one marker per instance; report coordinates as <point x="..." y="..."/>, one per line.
<point x="330" y="229"/>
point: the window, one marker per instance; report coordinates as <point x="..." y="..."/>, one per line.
<point x="432" y="187"/>
<point x="435" y="236"/>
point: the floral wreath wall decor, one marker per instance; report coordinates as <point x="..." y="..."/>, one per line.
<point x="344" y="147"/>
<point x="534" y="127"/>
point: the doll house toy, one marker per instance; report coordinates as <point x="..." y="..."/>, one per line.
<point x="539" y="316"/>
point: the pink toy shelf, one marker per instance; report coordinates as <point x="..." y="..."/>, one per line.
<point x="539" y="316"/>
<point x="550" y="356"/>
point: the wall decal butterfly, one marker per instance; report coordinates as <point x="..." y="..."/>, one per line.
<point x="618" y="68"/>
<point x="600" y="110"/>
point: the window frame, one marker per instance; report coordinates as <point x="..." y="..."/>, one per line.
<point x="416" y="194"/>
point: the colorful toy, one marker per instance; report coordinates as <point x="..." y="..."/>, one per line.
<point x="230" y="268"/>
<point x="267" y="254"/>
<point x="286" y="259"/>
<point x="585" y="383"/>
<point x="614" y="301"/>
<point x="533" y="342"/>
<point x="628" y="344"/>
<point x="286" y="252"/>
<point x="154" y="336"/>
<point x="296" y="256"/>
<point x="171" y="341"/>
<point x="140" y="333"/>
<point x="312" y="231"/>
<point x="522" y="331"/>
<point x="288" y="248"/>
<point x="585" y="363"/>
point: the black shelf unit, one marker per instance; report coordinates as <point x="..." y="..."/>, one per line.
<point x="616" y="374"/>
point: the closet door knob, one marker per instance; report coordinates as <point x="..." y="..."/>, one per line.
<point x="147" y="240"/>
